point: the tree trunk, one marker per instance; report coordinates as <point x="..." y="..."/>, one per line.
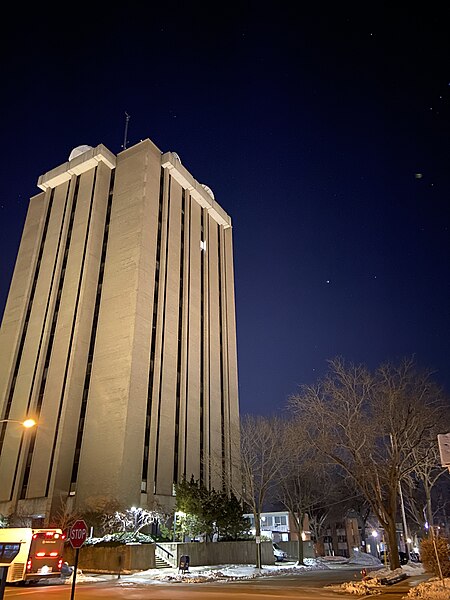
<point x="429" y="509"/>
<point x="299" y="525"/>
<point x="258" y="540"/>
<point x="391" y="532"/>
<point x="363" y="535"/>
<point x="300" y="554"/>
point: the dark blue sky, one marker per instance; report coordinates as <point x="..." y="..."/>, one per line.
<point x="309" y="124"/>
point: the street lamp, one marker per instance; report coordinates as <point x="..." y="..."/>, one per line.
<point x="134" y="510"/>
<point x="402" y="506"/>
<point x="177" y="513"/>
<point x="28" y="423"/>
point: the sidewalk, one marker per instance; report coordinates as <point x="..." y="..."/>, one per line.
<point x="401" y="589"/>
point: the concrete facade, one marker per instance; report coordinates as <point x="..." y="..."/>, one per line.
<point x="119" y="338"/>
<point x="341" y="538"/>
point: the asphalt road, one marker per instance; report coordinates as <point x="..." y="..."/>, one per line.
<point x="305" y="586"/>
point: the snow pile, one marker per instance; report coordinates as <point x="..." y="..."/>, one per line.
<point x="333" y="560"/>
<point x="217" y="573"/>
<point x="196" y="575"/>
<point x="81" y="578"/>
<point x="430" y="590"/>
<point x="199" y="578"/>
<point x="365" y="587"/>
<point x="413" y="569"/>
<point x="368" y="585"/>
<point x="375" y="582"/>
<point x="364" y="559"/>
<point x="314" y="563"/>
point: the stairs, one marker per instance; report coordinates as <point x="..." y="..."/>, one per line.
<point x="160" y="563"/>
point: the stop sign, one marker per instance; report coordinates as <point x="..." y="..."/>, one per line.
<point x="78" y="533"/>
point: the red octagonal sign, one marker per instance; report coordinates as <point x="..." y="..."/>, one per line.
<point x="78" y="534"/>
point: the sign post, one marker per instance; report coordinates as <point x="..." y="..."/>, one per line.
<point x="77" y="537"/>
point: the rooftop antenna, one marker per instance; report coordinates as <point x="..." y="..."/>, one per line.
<point x="125" y="141"/>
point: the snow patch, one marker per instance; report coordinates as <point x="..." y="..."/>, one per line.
<point x="362" y="558"/>
<point x="434" y="589"/>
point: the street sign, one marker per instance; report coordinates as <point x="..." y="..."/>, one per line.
<point x="77" y="537"/>
<point x="78" y="534"/>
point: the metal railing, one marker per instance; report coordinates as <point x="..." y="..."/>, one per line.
<point x="167" y="556"/>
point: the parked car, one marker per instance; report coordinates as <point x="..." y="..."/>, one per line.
<point x="402" y="555"/>
<point x="279" y="554"/>
<point x="66" y="570"/>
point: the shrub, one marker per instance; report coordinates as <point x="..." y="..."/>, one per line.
<point x="428" y="555"/>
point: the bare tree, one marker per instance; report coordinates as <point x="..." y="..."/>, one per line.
<point x="317" y="524"/>
<point x="18" y="519"/>
<point x="131" y="520"/>
<point x="96" y="508"/>
<point x="422" y="498"/>
<point x="301" y="481"/>
<point x="428" y="471"/>
<point x="369" y="424"/>
<point x="261" y="458"/>
<point x="65" y="515"/>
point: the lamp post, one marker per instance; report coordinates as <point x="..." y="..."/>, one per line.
<point x="402" y="506"/>
<point x="181" y="514"/>
<point x="134" y="510"/>
<point x="28" y="423"/>
<point x="405" y="526"/>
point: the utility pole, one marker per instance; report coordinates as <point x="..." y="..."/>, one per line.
<point x="405" y="527"/>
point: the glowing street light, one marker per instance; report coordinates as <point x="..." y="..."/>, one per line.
<point x="181" y="515"/>
<point x="28" y="423"/>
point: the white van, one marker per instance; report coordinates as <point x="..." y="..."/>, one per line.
<point x="40" y="555"/>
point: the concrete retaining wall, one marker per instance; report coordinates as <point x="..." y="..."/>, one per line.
<point x="126" y="558"/>
<point x="221" y="553"/>
<point x="139" y="557"/>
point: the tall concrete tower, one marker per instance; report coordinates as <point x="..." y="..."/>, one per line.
<point x="119" y="338"/>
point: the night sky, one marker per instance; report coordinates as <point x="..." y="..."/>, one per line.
<point x="323" y="131"/>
